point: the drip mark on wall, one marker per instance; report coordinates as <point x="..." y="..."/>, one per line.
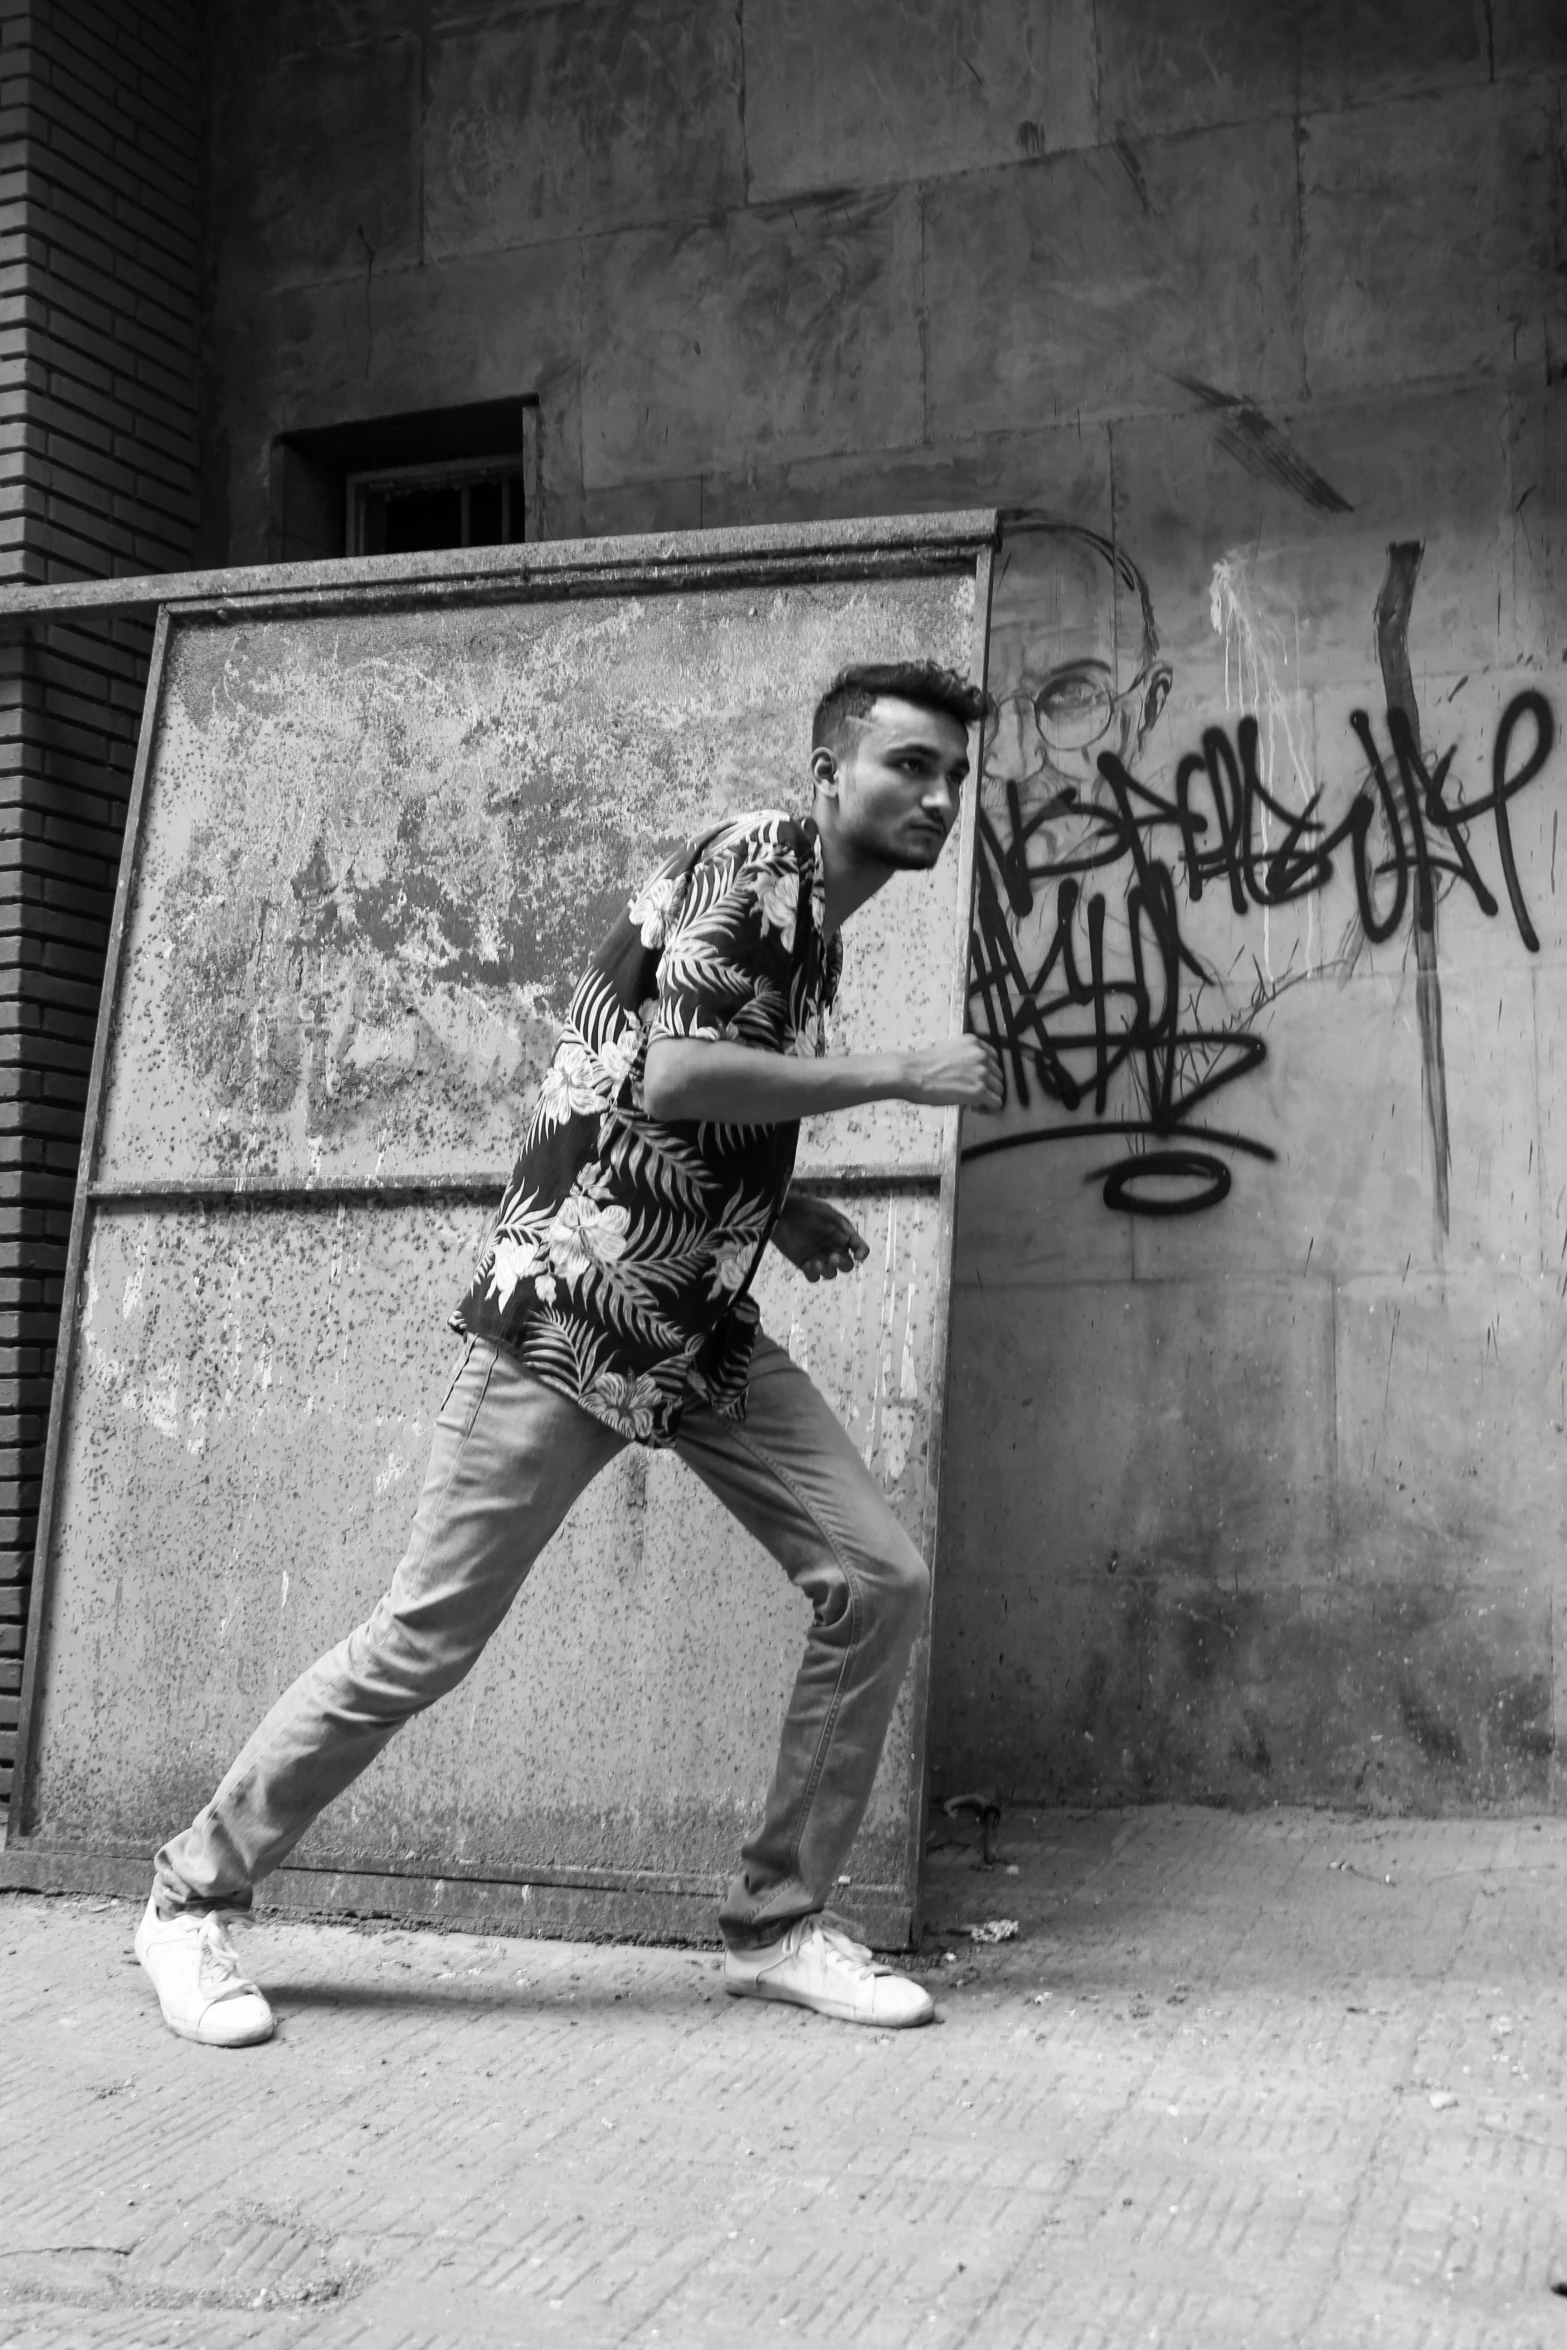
<point x="1258" y="659"/>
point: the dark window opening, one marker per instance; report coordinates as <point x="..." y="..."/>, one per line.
<point x="421" y="506"/>
<point x="401" y="485"/>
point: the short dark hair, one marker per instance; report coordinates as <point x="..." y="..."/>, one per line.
<point x="854" y="693"/>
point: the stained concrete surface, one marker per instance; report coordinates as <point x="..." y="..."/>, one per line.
<point x="1256" y="293"/>
<point x="1266" y="2078"/>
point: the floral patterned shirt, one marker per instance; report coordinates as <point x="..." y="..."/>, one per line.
<point x="619" y="1267"/>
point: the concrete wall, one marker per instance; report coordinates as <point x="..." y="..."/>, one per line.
<point x="1264" y="1498"/>
<point x="100" y="116"/>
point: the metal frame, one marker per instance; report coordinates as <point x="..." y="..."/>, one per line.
<point x="654" y="559"/>
<point x="32" y="1655"/>
<point x="544" y="1899"/>
<point x="488" y="1183"/>
<point x="951" y="1163"/>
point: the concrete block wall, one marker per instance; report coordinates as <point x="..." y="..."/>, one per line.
<point x="100" y="109"/>
<point x="1258" y="1501"/>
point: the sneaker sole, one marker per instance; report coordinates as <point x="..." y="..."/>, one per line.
<point x="201" y="2040"/>
<point x="839" y="2015"/>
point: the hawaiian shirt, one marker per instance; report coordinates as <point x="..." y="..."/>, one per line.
<point x="619" y="1267"/>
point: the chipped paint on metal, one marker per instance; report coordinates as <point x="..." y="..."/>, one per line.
<point x="378" y="849"/>
<point x="629" y="1704"/>
<point x="374" y="846"/>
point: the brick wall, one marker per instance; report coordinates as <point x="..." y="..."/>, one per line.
<point x="100" y="114"/>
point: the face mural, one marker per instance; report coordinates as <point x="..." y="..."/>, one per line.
<point x="1074" y="664"/>
<point x="1146" y="899"/>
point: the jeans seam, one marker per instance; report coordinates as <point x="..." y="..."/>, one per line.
<point x="467" y="1431"/>
<point x="463" y="1360"/>
<point x="774" y="1468"/>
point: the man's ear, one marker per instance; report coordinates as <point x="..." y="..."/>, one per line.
<point x="824" y="772"/>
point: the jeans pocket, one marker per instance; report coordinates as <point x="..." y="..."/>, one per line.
<point x="463" y="1361"/>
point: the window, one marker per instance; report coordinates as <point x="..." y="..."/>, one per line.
<point x="473" y="502"/>
<point x="398" y="485"/>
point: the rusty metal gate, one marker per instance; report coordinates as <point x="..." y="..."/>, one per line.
<point x="381" y="812"/>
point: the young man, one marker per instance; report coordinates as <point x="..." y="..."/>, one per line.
<point x="612" y="1305"/>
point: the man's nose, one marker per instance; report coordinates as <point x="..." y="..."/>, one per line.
<point x="939" y="799"/>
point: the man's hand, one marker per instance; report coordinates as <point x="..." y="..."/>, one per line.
<point x="818" y="1238"/>
<point x="964" y="1074"/>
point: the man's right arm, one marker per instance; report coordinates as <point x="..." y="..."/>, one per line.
<point x="735" y="1085"/>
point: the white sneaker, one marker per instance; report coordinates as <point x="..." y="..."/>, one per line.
<point x="820" y="1966"/>
<point x="202" y="1990"/>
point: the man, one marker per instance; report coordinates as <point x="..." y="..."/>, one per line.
<point x="612" y="1305"/>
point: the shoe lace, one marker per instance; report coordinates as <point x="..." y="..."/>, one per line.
<point x="222" y="1976"/>
<point x="839" y="1938"/>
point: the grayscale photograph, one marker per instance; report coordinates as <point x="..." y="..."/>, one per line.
<point x="783" y="1175"/>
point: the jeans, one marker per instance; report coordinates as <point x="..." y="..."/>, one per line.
<point x="509" y="1458"/>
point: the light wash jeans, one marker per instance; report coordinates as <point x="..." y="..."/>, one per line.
<point x="509" y="1458"/>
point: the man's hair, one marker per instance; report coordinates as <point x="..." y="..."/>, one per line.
<point x="854" y="693"/>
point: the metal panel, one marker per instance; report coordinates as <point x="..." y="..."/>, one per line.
<point x="386" y="841"/>
<point x="372" y="847"/>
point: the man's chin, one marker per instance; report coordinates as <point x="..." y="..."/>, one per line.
<point x="916" y="855"/>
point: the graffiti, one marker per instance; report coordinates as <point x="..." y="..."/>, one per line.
<point x="1097" y="995"/>
<point x="1394" y="604"/>
<point x="1249" y="435"/>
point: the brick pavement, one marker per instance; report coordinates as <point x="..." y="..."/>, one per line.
<point x="1258" y="2080"/>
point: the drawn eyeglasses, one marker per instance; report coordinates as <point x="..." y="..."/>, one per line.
<point x="1074" y="708"/>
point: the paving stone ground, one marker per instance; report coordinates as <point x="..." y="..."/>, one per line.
<point x="1282" y="2078"/>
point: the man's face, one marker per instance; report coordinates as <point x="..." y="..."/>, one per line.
<point x="900" y="783"/>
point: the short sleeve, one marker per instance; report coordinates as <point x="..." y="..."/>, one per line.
<point x="728" y="960"/>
